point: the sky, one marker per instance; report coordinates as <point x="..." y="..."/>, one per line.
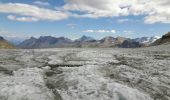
<point x="74" y="18"/>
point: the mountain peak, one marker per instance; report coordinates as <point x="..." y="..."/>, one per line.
<point x="32" y="37"/>
<point x="85" y="38"/>
<point x="45" y="36"/>
<point x="1" y="38"/>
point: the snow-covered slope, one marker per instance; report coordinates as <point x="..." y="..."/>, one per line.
<point x="147" y="40"/>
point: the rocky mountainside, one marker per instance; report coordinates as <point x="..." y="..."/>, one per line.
<point x="4" y="44"/>
<point x="130" y="44"/>
<point x="107" y="42"/>
<point x="165" y="39"/>
<point x="111" y="41"/>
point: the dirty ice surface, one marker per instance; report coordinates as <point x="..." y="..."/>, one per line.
<point x="85" y="74"/>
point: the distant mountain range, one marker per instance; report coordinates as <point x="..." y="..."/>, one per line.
<point x="5" y="45"/>
<point x="85" y="41"/>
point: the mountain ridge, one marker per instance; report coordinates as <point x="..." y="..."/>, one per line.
<point x="84" y="41"/>
<point x="4" y="44"/>
<point x="163" y="40"/>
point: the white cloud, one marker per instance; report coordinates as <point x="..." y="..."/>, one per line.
<point x="11" y="17"/>
<point x="97" y="8"/>
<point x="153" y="10"/>
<point x="32" y="12"/>
<point x="100" y="31"/>
<point x="72" y="26"/>
<point x="113" y="31"/>
<point x="22" y="19"/>
<point x="122" y="20"/>
<point x="41" y="3"/>
<point x="89" y="31"/>
<point x="157" y="18"/>
<point x="128" y="32"/>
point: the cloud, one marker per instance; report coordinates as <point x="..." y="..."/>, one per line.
<point x="96" y="8"/>
<point x="89" y="31"/>
<point x="22" y="19"/>
<point x="153" y="10"/>
<point x="122" y="20"/>
<point x="32" y="12"/>
<point x="72" y="26"/>
<point x="128" y="32"/>
<point x="157" y="18"/>
<point x="41" y="3"/>
<point x="99" y="31"/>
